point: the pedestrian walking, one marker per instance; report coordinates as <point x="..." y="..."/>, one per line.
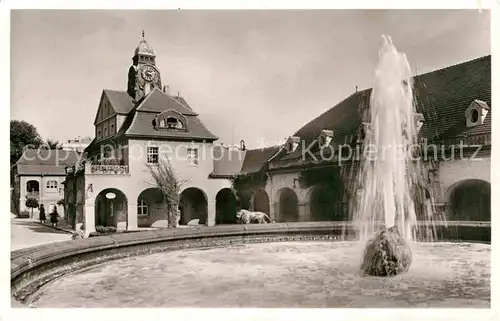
<point x="53" y="217"/>
<point x="43" y="218"/>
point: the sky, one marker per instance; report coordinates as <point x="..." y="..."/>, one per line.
<point x="252" y="75"/>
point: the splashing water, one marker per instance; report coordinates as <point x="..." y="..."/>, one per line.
<point x="389" y="172"/>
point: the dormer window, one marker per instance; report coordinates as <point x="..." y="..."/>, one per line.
<point x="419" y="121"/>
<point x="476" y="113"/>
<point x="292" y="143"/>
<point x="174" y="123"/>
<point x="363" y="132"/>
<point x="170" y="120"/>
<point x="325" y="137"/>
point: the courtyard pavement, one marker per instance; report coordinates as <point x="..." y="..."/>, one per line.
<point x="27" y="233"/>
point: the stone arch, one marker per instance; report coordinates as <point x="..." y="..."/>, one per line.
<point x="109" y="211"/>
<point x="151" y="208"/>
<point x="260" y="202"/>
<point x="225" y="206"/>
<point x="469" y="200"/>
<point x="193" y="205"/>
<point x="321" y="203"/>
<point x="287" y="205"/>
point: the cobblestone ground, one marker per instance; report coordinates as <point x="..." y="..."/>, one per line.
<point x="27" y="233"/>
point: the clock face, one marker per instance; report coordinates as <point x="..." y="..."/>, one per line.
<point x="148" y="73"/>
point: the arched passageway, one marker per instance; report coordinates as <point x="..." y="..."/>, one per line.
<point x="193" y="205"/>
<point x="261" y="202"/>
<point x="470" y="200"/>
<point x="288" y="202"/>
<point x="225" y="207"/>
<point x="150" y="207"/>
<point x="110" y="207"/>
<point x="322" y="205"/>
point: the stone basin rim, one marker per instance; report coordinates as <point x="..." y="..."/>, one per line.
<point x="76" y="254"/>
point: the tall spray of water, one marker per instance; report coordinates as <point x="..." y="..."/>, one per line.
<point x="388" y="171"/>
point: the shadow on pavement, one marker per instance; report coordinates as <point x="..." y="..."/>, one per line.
<point x="36" y="227"/>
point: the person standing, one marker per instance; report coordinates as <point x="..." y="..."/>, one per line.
<point x="53" y="217"/>
<point x="42" y="214"/>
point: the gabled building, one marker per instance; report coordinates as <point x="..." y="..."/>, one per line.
<point x="40" y="174"/>
<point x="303" y="180"/>
<point x="133" y="129"/>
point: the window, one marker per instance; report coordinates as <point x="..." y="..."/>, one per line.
<point x="173" y="123"/>
<point x="192" y="155"/>
<point x="98" y="134"/>
<point x="105" y="131"/>
<point x="112" y="128"/>
<point x="152" y="154"/>
<point x="51" y="184"/>
<point x="142" y="207"/>
<point x="474" y="115"/>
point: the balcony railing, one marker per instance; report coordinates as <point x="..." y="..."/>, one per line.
<point x="106" y="169"/>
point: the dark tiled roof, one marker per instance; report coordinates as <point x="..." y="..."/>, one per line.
<point x="158" y="101"/>
<point x="227" y="161"/>
<point x="139" y="119"/>
<point x="255" y="159"/>
<point x="442" y="97"/>
<point x="46" y="162"/>
<point x="121" y="102"/>
<point x="142" y="125"/>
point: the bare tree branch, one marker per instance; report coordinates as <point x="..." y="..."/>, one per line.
<point x="167" y="181"/>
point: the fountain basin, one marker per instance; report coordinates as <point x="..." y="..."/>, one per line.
<point x="37" y="270"/>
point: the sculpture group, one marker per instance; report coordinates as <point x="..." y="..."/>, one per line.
<point x="248" y="217"/>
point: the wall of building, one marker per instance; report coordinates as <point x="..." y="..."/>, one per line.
<point x="47" y="197"/>
<point x="139" y="177"/>
<point x="453" y="172"/>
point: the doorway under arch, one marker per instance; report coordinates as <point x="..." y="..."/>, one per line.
<point x="261" y="202"/>
<point x="193" y="205"/>
<point x="110" y="207"/>
<point x="150" y="207"/>
<point x="225" y="207"/>
<point x="288" y="205"/>
<point x="470" y="200"/>
<point x="322" y="205"/>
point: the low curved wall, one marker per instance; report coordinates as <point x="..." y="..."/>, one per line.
<point x="33" y="267"/>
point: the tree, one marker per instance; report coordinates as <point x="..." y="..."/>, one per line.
<point x="32" y="203"/>
<point x="22" y="135"/>
<point x="52" y="144"/>
<point x="170" y="186"/>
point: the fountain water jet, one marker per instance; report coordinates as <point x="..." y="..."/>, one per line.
<point x="386" y="211"/>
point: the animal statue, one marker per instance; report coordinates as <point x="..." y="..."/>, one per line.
<point x="248" y="217"/>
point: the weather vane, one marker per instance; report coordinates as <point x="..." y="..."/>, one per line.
<point x="142" y="33"/>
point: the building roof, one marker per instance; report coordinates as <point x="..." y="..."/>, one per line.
<point x="442" y="96"/>
<point x="45" y="162"/>
<point x="144" y="48"/>
<point x="142" y="125"/>
<point x="255" y="159"/>
<point x="139" y="118"/>
<point x="121" y="101"/>
<point x="158" y="101"/>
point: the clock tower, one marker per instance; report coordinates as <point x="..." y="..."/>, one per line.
<point x="143" y="76"/>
